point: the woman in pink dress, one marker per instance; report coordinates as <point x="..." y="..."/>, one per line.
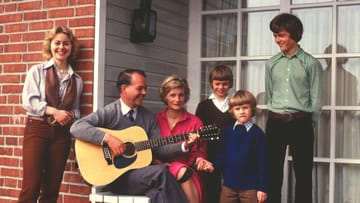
<point x="174" y="120"/>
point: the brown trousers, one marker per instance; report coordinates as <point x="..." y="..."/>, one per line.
<point x="45" y="151"/>
<point x="229" y="195"/>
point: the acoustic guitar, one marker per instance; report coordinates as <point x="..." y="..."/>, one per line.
<point x="99" y="167"/>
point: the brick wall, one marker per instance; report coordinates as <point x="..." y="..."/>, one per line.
<point x="23" y="25"/>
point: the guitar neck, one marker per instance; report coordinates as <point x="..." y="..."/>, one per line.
<point x="160" y="141"/>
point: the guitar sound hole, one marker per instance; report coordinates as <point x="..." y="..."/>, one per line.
<point x="130" y="150"/>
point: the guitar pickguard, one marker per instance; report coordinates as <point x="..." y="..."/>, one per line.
<point x="122" y="162"/>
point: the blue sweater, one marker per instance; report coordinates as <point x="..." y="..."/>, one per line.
<point x="242" y="158"/>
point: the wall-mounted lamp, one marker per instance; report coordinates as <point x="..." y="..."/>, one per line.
<point x="143" y="24"/>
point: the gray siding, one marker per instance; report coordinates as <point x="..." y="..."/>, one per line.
<point x="166" y="55"/>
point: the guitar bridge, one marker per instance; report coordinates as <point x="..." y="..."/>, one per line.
<point x="107" y="154"/>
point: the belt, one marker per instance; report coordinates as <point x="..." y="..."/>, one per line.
<point x="47" y="119"/>
<point x="287" y="117"/>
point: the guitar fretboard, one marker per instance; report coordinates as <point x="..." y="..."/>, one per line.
<point x="160" y="141"/>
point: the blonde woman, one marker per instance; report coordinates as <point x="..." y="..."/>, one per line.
<point x="51" y="97"/>
<point x="173" y="120"/>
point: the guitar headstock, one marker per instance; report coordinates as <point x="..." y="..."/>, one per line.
<point x="209" y="132"/>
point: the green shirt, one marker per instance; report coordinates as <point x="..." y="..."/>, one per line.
<point x="294" y="84"/>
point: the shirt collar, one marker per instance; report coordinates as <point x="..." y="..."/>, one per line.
<point x="247" y="125"/>
<point x="221" y="105"/>
<point x="298" y="53"/>
<point x="125" y="109"/>
<point x="51" y="63"/>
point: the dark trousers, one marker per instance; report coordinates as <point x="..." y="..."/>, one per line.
<point x="154" y="181"/>
<point x="299" y="135"/>
<point x="45" y="151"/>
<point x="212" y="186"/>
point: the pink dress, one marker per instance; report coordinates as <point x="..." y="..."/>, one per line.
<point x="186" y="124"/>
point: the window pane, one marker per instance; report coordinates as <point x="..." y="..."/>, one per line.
<point x="347" y="73"/>
<point x="258" y="3"/>
<point x="347" y="183"/>
<point x="252" y="78"/>
<point x="206" y="67"/>
<point x="322" y="136"/>
<point x="219" y="4"/>
<point x="308" y="1"/>
<point x="347" y="134"/>
<point x="257" y="38"/>
<point x="317" y="28"/>
<point x="260" y="118"/>
<point x="320" y="183"/>
<point x="348" y="28"/>
<point x="219" y="35"/>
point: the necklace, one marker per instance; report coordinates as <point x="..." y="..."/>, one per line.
<point x="62" y="71"/>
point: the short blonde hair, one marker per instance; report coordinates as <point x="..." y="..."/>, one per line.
<point x="49" y="37"/>
<point x="172" y="82"/>
<point x="242" y="97"/>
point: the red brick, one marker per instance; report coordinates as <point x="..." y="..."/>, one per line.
<point x="83" y="11"/>
<point x="6" y="151"/>
<point x="9" y="78"/>
<point x="54" y="3"/>
<point x="10" y="18"/>
<point x="35" y="15"/>
<point x="19" y="110"/>
<point x="19" y="27"/>
<point x="5" y="109"/>
<point x="4" y="38"/>
<point x="14" y="68"/>
<point x="11" y="172"/>
<point x="84" y="65"/>
<point x="61" y="22"/>
<point x="15" y="48"/>
<point x="42" y="25"/>
<point x="13" y="131"/>
<point x="75" y="199"/>
<point x="11" y="89"/>
<point x="35" y="46"/>
<point x="34" y="36"/>
<point x="85" y="32"/>
<point x="87" y="54"/>
<point x="73" y="178"/>
<point x="14" y="99"/>
<point x="4" y="120"/>
<point x="81" y="22"/>
<point x="15" y="38"/>
<point x="5" y="192"/>
<point x="31" y="5"/>
<point x="61" y="13"/>
<point x="79" y="2"/>
<point x="75" y="189"/>
<point x="10" y="7"/>
<point x="18" y="151"/>
<point x="85" y="110"/>
<point x="86" y="98"/>
<point x="2" y="99"/>
<point x="10" y="182"/>
<point x="86" y="43"/>
<point x="32" y="57"/>
<point x="9" y="161"/>
<point x="87" y="76"/>
<point x="7" y="58"/>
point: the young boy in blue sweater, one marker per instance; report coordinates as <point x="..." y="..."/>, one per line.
<point x="242" y="154"/>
